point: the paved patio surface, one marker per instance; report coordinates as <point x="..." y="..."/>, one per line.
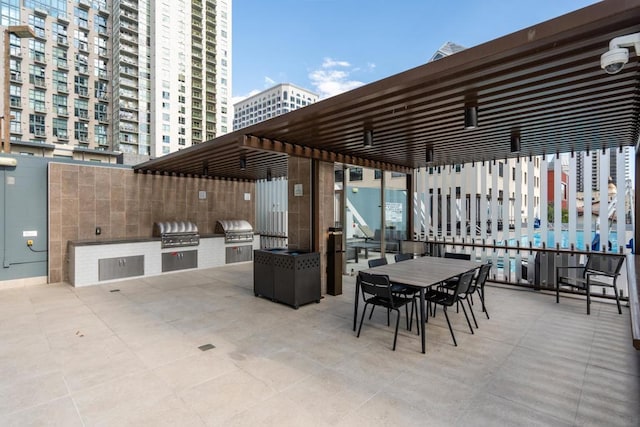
<point x="127" y="353"/>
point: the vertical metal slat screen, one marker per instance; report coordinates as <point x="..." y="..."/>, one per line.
<point x="272" y="212"/>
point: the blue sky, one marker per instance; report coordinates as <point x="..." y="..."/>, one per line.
<point x="331" y="46"/>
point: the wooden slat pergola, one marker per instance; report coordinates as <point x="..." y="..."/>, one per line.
<point x="543" y="83"/>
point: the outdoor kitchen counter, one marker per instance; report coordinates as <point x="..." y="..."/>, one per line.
<point x="138" y="257"/>
<point x="113" y="241"/>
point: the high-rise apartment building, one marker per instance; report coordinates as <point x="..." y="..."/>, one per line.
<point x="595" y="158"/>
<point x="279" y="99"/>
<point x="140" y="77"/>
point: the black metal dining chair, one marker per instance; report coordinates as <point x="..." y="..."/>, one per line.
<point x="408" y="291"/>
<point x="479" y="283"/>
<point x="399" y="289"/>
<point x="447" y="299"/>
<point x="402" y="257"/>
<point x="376" y="290"/>
<point x="377" y="262"/>
<point x="451" y="283"/>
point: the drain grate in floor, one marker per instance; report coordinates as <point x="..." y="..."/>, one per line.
<point x="206" y="347"/>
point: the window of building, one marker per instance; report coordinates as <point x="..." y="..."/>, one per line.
<point x="166" y="139"/>
<point x="37" y="23"/>
<point x="82" y="63"/>
<point x="81" y="108"/>
<point x="377" y="174"/>
<point x="36" y="75"/>
<point x="60" y="57"/>
<point x="100" y="134"/>
<point x="355" y="174"/>
<point x="60" y="80"/>
<point x="59" y="33"/>
<point x="100" y="112"/>
<point x="100" y="46"/>
<point x="500" y="169"/>
<point x="37" y="100"/>
<point x="53" y="7"/>
<point x="16" y="121"/>
<point x="36" y="124"/>
<point x="60" y="128"/>
<point x="101" y="89"/>
<point x="100" y="24"/>
<point x="81" y="85"/>
<point x="100" y="68"/>
<point x="60" y="104"/>
<point x="81" y="17"/>
<point x="15" y="96"/>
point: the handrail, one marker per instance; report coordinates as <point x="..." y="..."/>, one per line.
<point x="633" y="265"/>
<point x="518" y="248"/>
<point x="523" y="251"/>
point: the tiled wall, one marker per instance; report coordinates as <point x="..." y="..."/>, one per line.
<point x="125" y="205"/>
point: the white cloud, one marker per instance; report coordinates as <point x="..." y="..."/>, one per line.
<point x="268" y="82"/>
<point x="334" y="78"/>
<point x="330" y="63"/>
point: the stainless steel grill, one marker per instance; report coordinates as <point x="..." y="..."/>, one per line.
<point x="176" y="233"/>
<point x="235" y="230"/>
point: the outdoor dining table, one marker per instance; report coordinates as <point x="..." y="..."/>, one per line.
<point x="420" y="273"/>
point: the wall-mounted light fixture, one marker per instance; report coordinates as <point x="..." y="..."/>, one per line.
<point x="243" y="163"/>
<point x="368" y="138"/>
<point x="429" y="156"/>
<point x="515" y="142"/>
<point x="470" y="116"/>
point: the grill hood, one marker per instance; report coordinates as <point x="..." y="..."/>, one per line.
<point x="235" y="230"/>
<point x="174" y="227"/>
<point x="233" y="226"/>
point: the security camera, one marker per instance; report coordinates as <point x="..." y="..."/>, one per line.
<point x="614" y="59"/>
